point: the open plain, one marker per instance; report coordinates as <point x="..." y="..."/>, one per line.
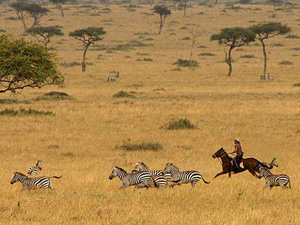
<point x="80" y="141"/>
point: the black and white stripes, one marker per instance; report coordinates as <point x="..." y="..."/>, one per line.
<point x="34" y="169"/>
<point x="272" y="180"/>
<point x="33" y="183"/>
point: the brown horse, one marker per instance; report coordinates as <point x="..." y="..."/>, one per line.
<point x="250" y="164"/>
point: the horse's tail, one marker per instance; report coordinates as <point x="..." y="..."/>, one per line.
<point x="207" y="182"/>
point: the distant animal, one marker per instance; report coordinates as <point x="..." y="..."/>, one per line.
<point x="262" y="77"/>
<point x="34" y="169"/>
<point x="183" y="177"/>
<point x="270" y="76"/>
<point x="113" y="78"/>
<point x="33" y="183"/>
<point x="250" y="164"/>
<point x="272" y="180"/>
<point x="160" y="179"/>
<point x="131" y="179"/>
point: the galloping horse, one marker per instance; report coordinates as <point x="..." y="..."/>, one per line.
<point x="250" y="164"/>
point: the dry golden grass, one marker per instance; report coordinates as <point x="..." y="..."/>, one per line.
<point x="79" y="141"/>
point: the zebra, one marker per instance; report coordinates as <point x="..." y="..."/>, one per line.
<point x="271" y="165"/>
<point x="129" y="179"/>
<point x="272" y="180"/>
<point x="33" y="183"/>
<point x="113" y="78"/>
<point x="34" y="169"/>
<point x="160" y="179"/>
<point x="183" y="177"/>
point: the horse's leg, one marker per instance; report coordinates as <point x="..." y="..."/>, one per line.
<point x="252" y="171"/>
<point x="229" y="174"/>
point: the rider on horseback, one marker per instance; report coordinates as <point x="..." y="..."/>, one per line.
<point x="239" y="154"/>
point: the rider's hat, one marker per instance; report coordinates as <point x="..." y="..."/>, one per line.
<point x="237" y="140"/>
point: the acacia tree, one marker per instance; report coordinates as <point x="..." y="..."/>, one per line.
<point x="46" y="33"/>
<point x="265" y="31"/>
<point x="163" y="12"/>
<point x="24" y="64"/>
<point x="87" y="36"/>
<point x="20" y="9"/>
<point x="59" y="4"/>
<point x="34" y="10"/>
<point x="233" y="37"/>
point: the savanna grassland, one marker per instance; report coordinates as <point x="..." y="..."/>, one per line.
<point x="79" y="141"/>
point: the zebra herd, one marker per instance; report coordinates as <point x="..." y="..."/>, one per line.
<point x="141" y="177"/>
<point x="33" y="182"/>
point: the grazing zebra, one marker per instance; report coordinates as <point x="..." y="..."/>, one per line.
<point x="34" y="169"/>
<point x="33" y="183"/>
<point x="113" y="78"/>
<point x="129" y="179"/>
<point x="183" y="177"/>
<point x="159" y="178"/>
<point x="272" y="180"/>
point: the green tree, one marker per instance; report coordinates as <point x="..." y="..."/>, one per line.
<point x="24" y="64"/>
<point x="233" y="38"/>
<point x="265" y="31"/>
<point x="87" y="36"/>
<point x="46" y="33"/>
<point x="59" y="4"/>
<point x="163" y="12"/>
<point x="22" y="9"/>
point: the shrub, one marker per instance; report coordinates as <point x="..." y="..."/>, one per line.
<point x="180" y="124"/>
<point x="186" y="38"/>
<point x="153" y="146"/>
<point x="186" y="63"/>
<point x="285" y="62"/>
<point x="296" y="85"/>
<point x="55" y="96"/>
<point x="292" y="36"/>
<point x="206" y="54"/>
<point x="145" y="59"/>
<point x="123" y="94"/>
<point x="25" y="112"/>
<point x="247" y="56"/>
<point x="70" y="64"/>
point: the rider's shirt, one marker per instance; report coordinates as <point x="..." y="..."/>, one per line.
<point x="238" y="149"/>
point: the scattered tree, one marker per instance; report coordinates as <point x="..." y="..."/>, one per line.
<point x="24" y="64"/>
<point x="88" y="37"/>
<point x="46" y="33"/>
<point x="265" y="31"/>
<point x="163" y="12"/>
<point x="22" y="8"/>
<point x="59" y="4"/>
<point x="233" y="37"/>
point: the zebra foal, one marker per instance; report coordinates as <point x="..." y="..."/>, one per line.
<point x="160" y="179"/>
<point x="129" y="179"/>
<point x="34" y="169"/>
<point x="183" y="177"/>
<point x="273" y="180"/>
<point x="33" y="183"/>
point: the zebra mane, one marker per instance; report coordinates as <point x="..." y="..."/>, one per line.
<point x="144" y="165"/>
<point x="173" y="166"/>
<point x="121" y="169"/>
<point x="21" y="174"/>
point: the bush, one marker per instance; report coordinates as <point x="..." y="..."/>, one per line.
<point x="186" y="63"/>
<point x="123" y="94"/>
<point x="55" y="96"/>
<point x="180" y="124"/>
<point x="206" y="54"/>
<point x="247" y="56"/>
<point x="25" y="112"/>
<point x="285" y="62"/>
<point x="70" y="64"/>
<point x="292" y="36"/>
<point x="145" y="59"/>
<point x="127" y="145"/>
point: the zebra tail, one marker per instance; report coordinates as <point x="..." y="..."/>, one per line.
<point x="207" y="182"/>
<point x="290" y="184"/>
<point x="56" y="177"/>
